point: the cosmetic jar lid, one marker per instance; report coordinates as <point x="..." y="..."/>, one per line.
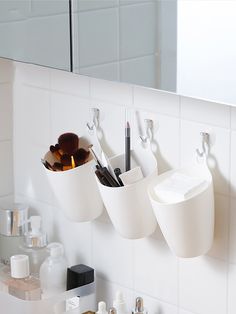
<point x="13" y="219"/>
<point x="79" y="275"/>
<point x="19" y="266"/>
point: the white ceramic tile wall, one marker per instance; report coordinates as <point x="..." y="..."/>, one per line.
<point x="48" y="102"/>
<point x="117" y="46"/>
<point x="23" y="19"/>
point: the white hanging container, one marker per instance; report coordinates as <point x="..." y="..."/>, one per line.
<point x="187" y="225"/>
<point x="128" y="206"/>
<point x="76" y="190"/>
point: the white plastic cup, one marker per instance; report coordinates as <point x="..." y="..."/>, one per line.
<point x="76" y="192"/>
<point x="128" y="206"/>
<point x="188" y="226"/>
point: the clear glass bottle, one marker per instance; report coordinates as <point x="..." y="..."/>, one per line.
<point x="35" y="245"/>
<point x="13" y="225"/>
<point x="20" y="284"/>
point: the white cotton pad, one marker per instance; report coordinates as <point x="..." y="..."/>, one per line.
<point x="178" y="187"/>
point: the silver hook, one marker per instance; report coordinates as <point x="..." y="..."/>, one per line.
<point x="149" y="131"/>
<point x="95" y="123"/>
<point x="205" y="145"/>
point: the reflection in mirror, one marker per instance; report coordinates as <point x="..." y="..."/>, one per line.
<point x="180" y="46"/>
<point x="36" y="31"/>
<point x="122" y="41"/>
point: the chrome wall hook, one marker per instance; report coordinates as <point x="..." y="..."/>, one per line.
<point x="95" y="122"/>
<point x="205" y="145"/>
<point x="149" y="131"/>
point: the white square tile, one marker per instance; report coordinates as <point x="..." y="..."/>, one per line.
<point x="70" y="83"/>
<point x="219" y="151"/>
<point x="202" y="285"/>
<point x="205" y="112"/>
<point x="137" y="39"/>
<point x="32" y="133"/>
<point x="233" y="118"/>
<point x="166" y="132"/>
<point x="157" y="101"/>
<point x="98" y="37"/>
<point x="233" y="165"/>
<point x="219" y="248"/>
<point x="231" y="289"/>
<point x="47" y="41"/>
<point x="85" y="5"/>
<point x="32" y="75"/>
<point x="14" y="45"/>
<point x="232" y="234"/>
<point x="76" y="238"/>
<point x="108" y="71"/>
<point x="155" y="270"/>
<point x="114" y="264"/>
<point x="6" y="169"/>
<point x="6" y="112"/>
<point x="29" y="173"/>
<point x="6" y="70"/>
<point x="116" y="93"/>
<point x="139" y="71"/>
<point x="32" y="116"/>
<point x="69" y="114"/>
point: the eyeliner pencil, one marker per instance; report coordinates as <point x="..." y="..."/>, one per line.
<point x="127" y="147"/>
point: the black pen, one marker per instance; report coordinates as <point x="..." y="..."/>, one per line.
<point x="100" y="177"/>
<point x="105" y="173"/>
<point x="117" y="173"/>
<point x="127" y="147"/>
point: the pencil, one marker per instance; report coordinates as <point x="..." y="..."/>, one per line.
<point x="127" y="147"/>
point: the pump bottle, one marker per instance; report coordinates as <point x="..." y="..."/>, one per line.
<point x="53" y="271"/>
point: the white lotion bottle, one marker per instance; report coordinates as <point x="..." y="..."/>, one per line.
<point x="119" y="303"/>
<point x="53" y="271"/>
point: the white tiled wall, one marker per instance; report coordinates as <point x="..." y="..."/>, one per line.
<point x="36" y="32"/>
<point x="6" y="106"/>
<point x="118" y="40"/>
<point x="49" y="102"/>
